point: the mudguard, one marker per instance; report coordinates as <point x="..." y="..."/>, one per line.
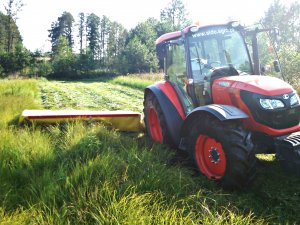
<point x="172" y="116"/>
<point x="222" y="112"/>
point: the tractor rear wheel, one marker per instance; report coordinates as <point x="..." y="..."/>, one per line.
<point x="222" y="151"/>
<point x="154" y="120"/>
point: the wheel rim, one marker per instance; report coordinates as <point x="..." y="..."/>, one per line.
<point x="210" y="157"/>
<point x="154" y="126"/>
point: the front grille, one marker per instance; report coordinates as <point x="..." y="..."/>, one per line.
<point x="278" y="118"/>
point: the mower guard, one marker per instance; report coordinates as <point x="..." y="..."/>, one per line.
<point x="120" y="120"/>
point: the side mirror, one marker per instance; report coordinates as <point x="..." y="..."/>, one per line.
<point x="275" y="34"/>
<point x="176" y="42"/>
<point x="161" y="47"/>
<point x="276" y="66"/>
<point x="263" y="70"/>
<point x="161" y="50"/>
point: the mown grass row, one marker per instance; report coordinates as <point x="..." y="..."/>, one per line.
<point x="78" y="173"/>
<point x="97" y="95"/>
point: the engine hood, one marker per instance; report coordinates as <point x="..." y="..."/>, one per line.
<point x="264" y="85"/>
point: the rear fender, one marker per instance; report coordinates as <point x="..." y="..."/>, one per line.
<point x="171" y="108"/>
<point x="221" y="112"/>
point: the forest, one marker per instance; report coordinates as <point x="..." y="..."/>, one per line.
<point x="101" y="45"/>
<point x="89" y="45"/>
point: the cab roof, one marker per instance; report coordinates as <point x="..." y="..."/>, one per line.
<point x="176" y="34"/>
<point x="171" y="35"/>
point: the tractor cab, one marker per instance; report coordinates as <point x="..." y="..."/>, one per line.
<point x="197" y="56"/>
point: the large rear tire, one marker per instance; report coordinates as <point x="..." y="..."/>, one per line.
<point x="155" y="120"/>
<point x="222" y="151"/>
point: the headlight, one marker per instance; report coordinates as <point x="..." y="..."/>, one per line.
<point x="294" y="99"/>
<point x="271" y="103"/>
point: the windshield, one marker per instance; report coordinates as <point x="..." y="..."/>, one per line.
<point x="266" y="51"/>
<point x="219" y="46"/>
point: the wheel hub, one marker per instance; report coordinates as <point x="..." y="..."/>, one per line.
<point x="214" y="155"/>
<point x="210" y="157"/>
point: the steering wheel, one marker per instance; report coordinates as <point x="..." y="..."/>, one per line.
<point x="204" y="64"/>
<point x="218" y="64"/>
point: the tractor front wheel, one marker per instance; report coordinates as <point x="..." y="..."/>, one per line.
<point x="222" y="151"/>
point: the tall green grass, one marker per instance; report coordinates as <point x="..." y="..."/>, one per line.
<point x="137" y="81"/>
<point x="79" y="173"/>
<point x="15" y="96"/>
<point x="26" y="88"/>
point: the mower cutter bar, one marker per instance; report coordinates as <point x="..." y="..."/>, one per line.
<point x="121" y="120"/>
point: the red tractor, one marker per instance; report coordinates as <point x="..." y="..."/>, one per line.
<point x="217" y="103"/>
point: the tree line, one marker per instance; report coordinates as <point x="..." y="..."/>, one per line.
<point x="287" y="20"/>
<point x="91" y="44"/>
<point x="13" y="55"/>
<point x="105" y="45"/>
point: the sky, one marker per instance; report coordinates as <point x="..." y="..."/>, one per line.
<point x="36" y="16"/>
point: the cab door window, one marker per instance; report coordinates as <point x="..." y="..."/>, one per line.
<point x="176" y="72"/>
<point x="176" y="66"/>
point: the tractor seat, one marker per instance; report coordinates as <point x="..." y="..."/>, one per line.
<point x="224" y="71"/>
<point x="220" y="72"/>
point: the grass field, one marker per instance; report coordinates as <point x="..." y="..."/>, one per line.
<point x="88" y="174"/>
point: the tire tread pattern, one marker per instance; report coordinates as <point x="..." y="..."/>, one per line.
<point x="150" y="101"/>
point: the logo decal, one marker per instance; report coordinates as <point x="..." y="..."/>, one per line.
<point x="224" y="84"/>
<point x="285" y="96"/>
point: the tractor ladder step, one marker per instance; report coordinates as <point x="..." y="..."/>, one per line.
<point x="288" y="152"/>
<point x="293" y="139"/>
